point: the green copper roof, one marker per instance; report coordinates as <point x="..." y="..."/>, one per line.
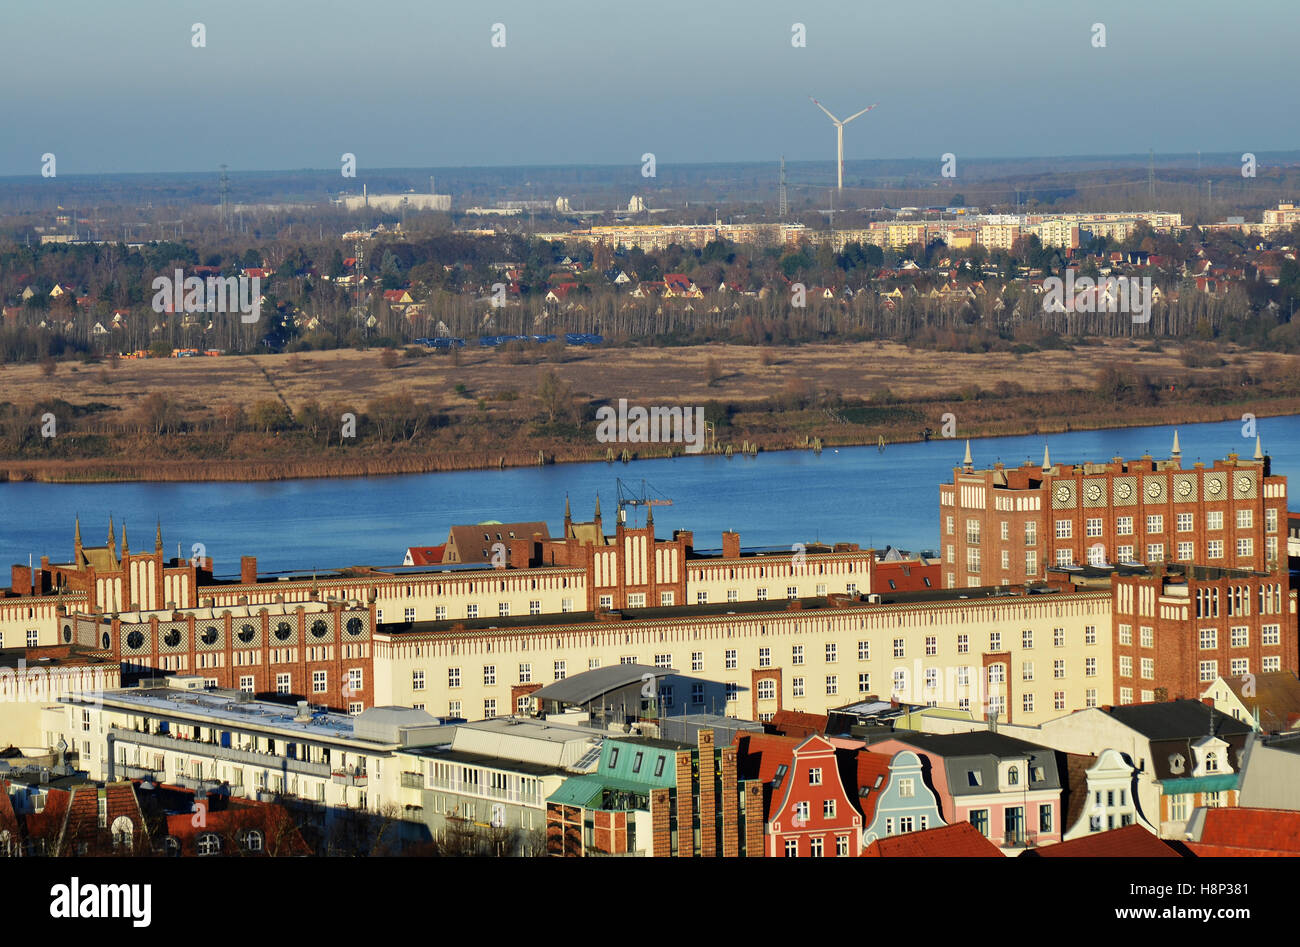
<point x="1176" y="787"/>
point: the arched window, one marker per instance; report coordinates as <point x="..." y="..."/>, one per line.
<point x="252" y="841"/>
<point x="209" y="844"/>
<point x="1013" y="775"/>
<point x="172" y="847"/>
<point x="123" y="832"/>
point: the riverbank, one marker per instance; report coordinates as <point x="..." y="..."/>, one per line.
<point x="429" y="415"/>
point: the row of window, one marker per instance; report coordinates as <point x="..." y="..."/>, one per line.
<point x="1155" y="523"/>
<point x="797" y="655"/>
<point x="817" y="847"/>
<point x="1155" y="552"/>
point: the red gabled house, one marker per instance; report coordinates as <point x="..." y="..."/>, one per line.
<point x="807" y="810"/>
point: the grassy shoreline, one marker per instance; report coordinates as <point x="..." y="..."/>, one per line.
<point x="777" y="432"/>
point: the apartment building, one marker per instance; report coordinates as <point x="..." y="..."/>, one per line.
<point x="1029" y="656"/>
<point x="177" y="732"/>
<point x="1008" y="524"/>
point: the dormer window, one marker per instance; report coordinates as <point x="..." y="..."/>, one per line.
<point x="1177" y="763"/>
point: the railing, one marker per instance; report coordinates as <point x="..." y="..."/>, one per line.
<point x="344" y="778"/>
<point x="229" y="754"/>
<point x="412" y="780"/>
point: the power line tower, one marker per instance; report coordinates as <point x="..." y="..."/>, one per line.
<point x="225" y="195"/>
<point x="782" y="201"/>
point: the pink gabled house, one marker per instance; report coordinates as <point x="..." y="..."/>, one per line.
<point x="1007" y="788"/>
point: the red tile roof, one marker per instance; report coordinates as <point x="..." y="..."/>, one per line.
<point x="960" y="840"/>
<point x="1132" y="841"/>
<point x="759" y="754"/>
<point x="426" y="555"/>
<point x="871" y="767"/>
<point x="1249" y="832"/>
<point x="793" y="723"/>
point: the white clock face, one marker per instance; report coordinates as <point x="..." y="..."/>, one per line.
<point x="1094" y="492"/>
<point x="1153" y="489"/>
<point x="1185" y="488"/>
<point x="1062" y="493"/>
<point x="1214" y="486"/>
<point x="1243" y="484"/>
<point x="1125" y="491"/>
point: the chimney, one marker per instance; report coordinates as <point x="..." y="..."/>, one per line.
<point x="1208" y="701"/>
<point x="21" y="580"/>
<point x="730" y="545"/>
<point x="248" y="570"/>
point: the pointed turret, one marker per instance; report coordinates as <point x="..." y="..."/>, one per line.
<point x="157" y="538"/>
<point x="1259" y="449"/>
<point x="650" y="518"/>
<point x="76" y="537"/>
<point x="112" y="537"/>
<point x="1047" y="458"/>
<point x="966" y="461"/>
<point x="126" y="547"/>
<point x="1177" y="451"/>
<point x="568" y="518"/>
<point x="597" y="516"/>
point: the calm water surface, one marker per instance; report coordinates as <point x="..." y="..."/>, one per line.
<point x="856" y="494"/>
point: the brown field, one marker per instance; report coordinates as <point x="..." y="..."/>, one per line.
<point x="493" y="420"/>
<point x="662" y="375"/>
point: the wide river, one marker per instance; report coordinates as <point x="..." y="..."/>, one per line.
<point x="857" y="494"/>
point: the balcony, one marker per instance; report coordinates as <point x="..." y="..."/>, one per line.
<point x="164" y="741"/>
<point x="353" y="778"/>
<point x="412" y="780"/>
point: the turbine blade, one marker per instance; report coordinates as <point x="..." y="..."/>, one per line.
<point x="824" y="109"/>
<point x="856" y="114"/>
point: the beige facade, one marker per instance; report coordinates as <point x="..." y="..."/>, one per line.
<point x="1053" y="652"/>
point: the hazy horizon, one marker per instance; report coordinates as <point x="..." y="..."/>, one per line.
<point x="401" y="84"/>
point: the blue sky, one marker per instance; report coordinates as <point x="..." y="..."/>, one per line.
<point x="117" y="87"/>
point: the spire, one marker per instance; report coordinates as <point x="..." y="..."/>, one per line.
<point x="1259" y="449"/>
<point x="157" y="538"/>
<point x="966" y="461"/>
<point x="567" y="515"/>
<point x="1047" y="458"/>
<point x="1177" y="451"/>
<point x="76" y="537"/>
<point x="112" y="539"/>
<point x="650" y="517"/>
<point x="597" y="507"/>
<point x="125" y="546"/>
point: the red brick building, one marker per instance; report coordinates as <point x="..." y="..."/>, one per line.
<point x="1179" y="628"/>
<point x="1007" y="525"/>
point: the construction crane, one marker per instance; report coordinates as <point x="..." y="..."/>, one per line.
<point x="626" y="498"/>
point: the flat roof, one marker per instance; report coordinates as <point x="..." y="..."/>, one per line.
<point x="225" y="707"/>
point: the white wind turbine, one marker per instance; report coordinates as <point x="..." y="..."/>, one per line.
<point x="839" y="136"/>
